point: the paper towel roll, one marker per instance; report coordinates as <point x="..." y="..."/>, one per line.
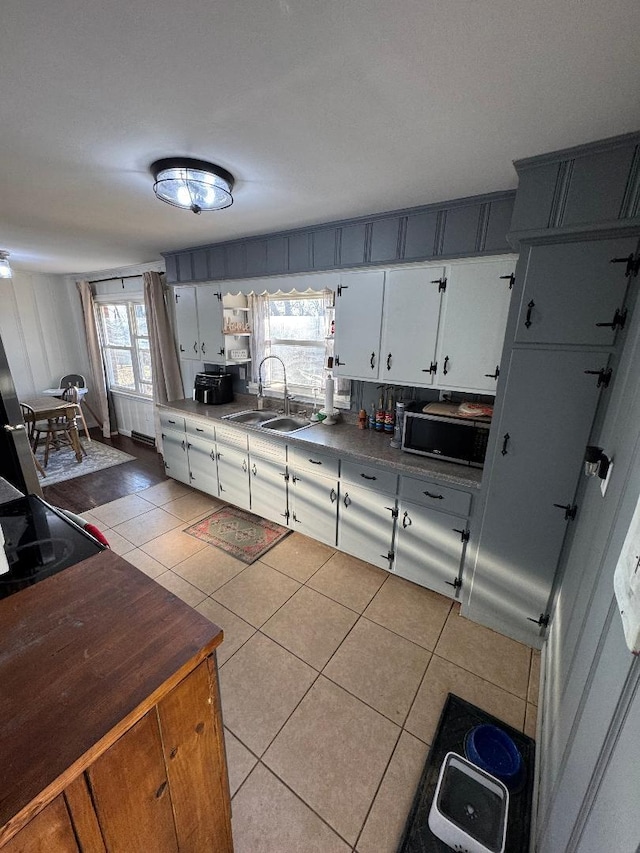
<point x="328" y="395"/>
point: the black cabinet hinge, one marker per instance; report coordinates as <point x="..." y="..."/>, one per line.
<point x="393" y="511"/>
<point x="570" y="510"/>
<point x="542" y="620"/>
<point x="633" y="264"/>
<point x="176" y="296"/>
<point x="433" y="367"/>
<point x="219" y="295"/>
<point x="511" y="279"/>
<point x="456" y="583"/>
<point x="604" y="376"/>
<point x="464" y="534"/>
<point x="285" y="515"/>
<point x="342" y="287"/>
<point x="441" y="282"/>
<point x="619" y="319"/>
<point x="388" y="556"/>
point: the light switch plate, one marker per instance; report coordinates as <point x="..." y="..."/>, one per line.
<point x="605" y="483"/>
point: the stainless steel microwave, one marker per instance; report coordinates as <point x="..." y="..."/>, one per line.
<point x="444" y="436"/>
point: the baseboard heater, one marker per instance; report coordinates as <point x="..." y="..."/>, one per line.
<point x="142" y="438"/>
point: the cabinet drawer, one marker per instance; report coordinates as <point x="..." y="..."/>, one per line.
<point x="234" y="437"/>
<point x="435" y="496"/>
<point x="170" y="421"/>
<point x="265" y="449"/>
<point x="198" y="429"/>
<point x="311" y="460"/>
<point x="369" y="477"/>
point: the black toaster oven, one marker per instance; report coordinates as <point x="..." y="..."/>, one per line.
<point x="213" y="389"/>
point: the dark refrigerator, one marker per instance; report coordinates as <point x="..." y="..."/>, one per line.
<point x="16" y="461"/>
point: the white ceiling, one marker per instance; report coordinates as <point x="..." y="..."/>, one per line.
<point x="322" y="109"/>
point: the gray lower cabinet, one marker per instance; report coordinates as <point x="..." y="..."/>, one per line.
<point x="429" y="547"/>
<point x="203" y="470"/>
<point x="365" y="524"/>
<point x="233" y="475"/>
<point x="314" y="504"/>
<point x="544" y="426"/>
<point x="174" y="452"/>
<point x="269" y="488"/>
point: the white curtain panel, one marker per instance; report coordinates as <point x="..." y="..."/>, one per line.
<point x="98" y="387"/>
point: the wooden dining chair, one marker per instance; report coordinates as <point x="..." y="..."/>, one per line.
<point x="56" y="432"/>
<point x="29" y="418"/>
<point x="71" y="395"/>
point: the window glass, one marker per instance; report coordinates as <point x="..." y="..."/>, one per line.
<point x="119" y="365"/>
<point x="115" y="323"/>
<point x="125" y="347"/>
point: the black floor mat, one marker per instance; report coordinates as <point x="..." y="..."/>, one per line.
<point x="456" y="719"/>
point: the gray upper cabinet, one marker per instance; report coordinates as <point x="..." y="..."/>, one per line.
<point x="201" y="265"/>
<point x="324" y="248"/>
<point x="236" y="260"/>
<point x="352" y="245"/>
<point x="572" y="291"/>
<point x="276" y="255"/>
<point x="461" y="230"/>
<point x="384" y="239"/>
<point x="299" y="254"/>
<point x="217" y="262"/>
<point x="420" y="235"/>
<point x="185" y="266"/>
<point x="256" y="251"/>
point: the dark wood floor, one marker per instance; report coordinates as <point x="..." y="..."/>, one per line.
<point x="84" y="493"/>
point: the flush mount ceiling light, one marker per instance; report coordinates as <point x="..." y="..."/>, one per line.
<point x="192" y="184"/>
<point x="5" y="269"/>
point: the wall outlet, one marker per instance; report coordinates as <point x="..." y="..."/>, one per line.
<point x="242" y="372"/>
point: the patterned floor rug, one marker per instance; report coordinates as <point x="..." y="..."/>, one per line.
<point x="63" y="465"/>
<point x="239" y="533"/>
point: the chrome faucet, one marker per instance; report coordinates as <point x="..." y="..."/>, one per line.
<point x="287" y="407"/>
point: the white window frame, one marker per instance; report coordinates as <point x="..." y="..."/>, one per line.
<point x="129" y="303"/>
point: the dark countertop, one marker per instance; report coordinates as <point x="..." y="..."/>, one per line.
<point x="341" y="439"/>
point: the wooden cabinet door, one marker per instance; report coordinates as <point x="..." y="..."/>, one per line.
<point x="410" y="325"/>
<point x="315" y="506"/>
<point x="542" y="433"/>
<point x="174" y="453"/>
<point x="571" y="288"/>
<point x="358" y="322"/>
<point x="472" y="326"/>
<point x="233" y="476"/>
<point x="187" y="322"/>
<point x="429" y="546"/>
<point x="203" y="470"/>
<point x="269" y="489"/>
<point x="193" y="746"/>
<point x="50" y="831"/>
<point x="365" y="524"/>
<point x="131" y="792"/>
<point x="209" y="308"/>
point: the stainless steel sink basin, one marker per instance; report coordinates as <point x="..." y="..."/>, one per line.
<point x="253" y="418"/>
<point x="286" y="424"/>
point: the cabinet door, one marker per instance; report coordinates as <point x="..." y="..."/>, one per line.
<point x="358" y="321"/>
<point x="211" y="340"/>
<point x="203" y="471"/>
<point x="174" y="452"/>
<point x="570" y="289"/>
<point x="269" y="489"/>
<point x="410" y="325"/>
<point x="131" y="793"/>
<point x="429" y="547"/>
<point x="50" y="831"/>
<point x="233" y="476"/>
<point x="474" y="319"/>
<point x="187" y="322"/>
<point x="365" y="526"/>
<point x="549" y="406"/>
<point x="315" y="506"/>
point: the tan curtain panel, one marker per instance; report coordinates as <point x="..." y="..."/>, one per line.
<point x="98" y="382"/>
<point x="167" y="381"/>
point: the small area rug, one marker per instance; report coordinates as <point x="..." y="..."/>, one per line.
<point x="64" y="466"/>
<point x="239" y="533"/>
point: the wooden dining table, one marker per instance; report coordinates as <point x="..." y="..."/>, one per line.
<point x="50" y="408"/>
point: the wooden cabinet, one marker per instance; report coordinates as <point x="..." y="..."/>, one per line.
<point x="125" y="749"/>
<point x="174" y="452"/>
<point x="358" y="323"/>
<point x="198" y="312"/>
<point x="412" y="300"/>
<point x="268" y="479"/>
<point x="474" y="313"/>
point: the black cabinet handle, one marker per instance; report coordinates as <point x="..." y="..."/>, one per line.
<point x="445" y="366"/>
<point x="435" y="497"/>
<point x="494" y="375"/>
<point x="530" y="307"/>
<point x="347" y="500"/>
<point x="333" y="495"/>
<point x="315" y="461"/>
<point x="406" y="520"/>
<point x="244" y="466"/>
<point x="202" y="348"/>
<point x="372" y="361"/>
<point x="199" y="429"/>
<point x="367" y="477"/>
<point x="195" y="347"/>
<point x="254" y="470"/>
<point x="213" y="455"/>
<point x="505" y="442"/>
<point x="389" y="362"/>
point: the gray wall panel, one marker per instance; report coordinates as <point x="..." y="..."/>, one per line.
<point x="299" y="252"/>
<point x="597" y="186"/>
<point x="461" y="230"/>
<point x="324" y="248"/>
<point x="420" y="236"/>
<point x="534" y="198"/>
<point x="236" y="260"/>
<point x="185" y="266"/>
<point x="200" y="265"/>
<point x="256" y="257"/>
<point x="171" y="268"/>
<point x="384" y="239"/>
<point x="352" y="245"/>
<point x="276" y="255"/>
<point x="500" y="213"/>
<point x="217" y="262"/>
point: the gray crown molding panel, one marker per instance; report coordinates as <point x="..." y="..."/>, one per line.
<point x="596" y="185"/>
<point x="464" y="227"/>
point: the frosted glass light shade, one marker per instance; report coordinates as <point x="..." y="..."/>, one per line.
<point x="192" y="184"/>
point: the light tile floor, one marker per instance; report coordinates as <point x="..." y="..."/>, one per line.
<point x="333" y="674"/>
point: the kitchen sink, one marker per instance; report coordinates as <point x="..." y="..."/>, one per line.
<point x="286" y="423"/>
<point x="253" y="418"/>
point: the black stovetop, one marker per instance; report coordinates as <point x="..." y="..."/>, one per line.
<point x="39" y="542"/>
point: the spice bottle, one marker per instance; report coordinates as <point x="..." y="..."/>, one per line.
<point x="362" y="419"/>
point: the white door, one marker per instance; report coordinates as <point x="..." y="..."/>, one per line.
<point x="174" y="453"/>
<point x="410" y="325"/>
<point x="365" y="526"/>
<point x="315" y="506"/>
<point x="233" y="476"/>
<point x="358" y="320"/>
<point x="211" y="339"/>
<point x="474" y="319"/>
<point x="202" y="465"/>
<point x="187" y="322"/>
<point x="269" y="489"/>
